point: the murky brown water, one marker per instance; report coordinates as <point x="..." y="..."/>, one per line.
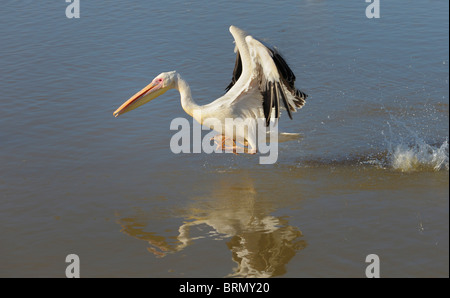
<point x="369" y="174"/>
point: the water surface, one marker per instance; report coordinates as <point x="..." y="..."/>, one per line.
<point x="369" y="173"/>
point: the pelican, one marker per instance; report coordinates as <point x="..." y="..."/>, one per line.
<point x="262" y="84"/>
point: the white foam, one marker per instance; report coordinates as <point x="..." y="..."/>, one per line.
<point x="420" y="156"/>
<point x="409" y="152"/>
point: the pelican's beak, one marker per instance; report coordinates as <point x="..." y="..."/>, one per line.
<point x="148" y="93"/>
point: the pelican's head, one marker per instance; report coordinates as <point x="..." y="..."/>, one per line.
<point x="158" y="86"/>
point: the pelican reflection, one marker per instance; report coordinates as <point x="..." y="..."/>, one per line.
<point x="261" y="244"/>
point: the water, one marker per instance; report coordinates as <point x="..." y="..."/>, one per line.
<point x="369" y="173"/>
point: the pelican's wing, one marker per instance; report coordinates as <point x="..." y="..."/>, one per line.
<point x="260" y="67"/>
<point x="242" y="66"/>
<point x="276" y="80"/>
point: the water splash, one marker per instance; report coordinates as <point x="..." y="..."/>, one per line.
<point x="420" y="156"/>
<point x="409" y="152"/>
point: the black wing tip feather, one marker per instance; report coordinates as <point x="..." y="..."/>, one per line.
<point x="229" y="86"/>
<point x="272" y="94"/>
<point x="286" y="105"/>
<point x="300" y="98"/>
<point x="268" y="100"/>
<point x="288" y="79"/>
<point x="237" y="71"/>
<point x="287" y="75"/>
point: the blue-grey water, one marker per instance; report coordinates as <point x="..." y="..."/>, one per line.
<point x="369" y="174"/>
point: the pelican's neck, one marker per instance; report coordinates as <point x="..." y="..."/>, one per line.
<point x="188" y="104"/>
